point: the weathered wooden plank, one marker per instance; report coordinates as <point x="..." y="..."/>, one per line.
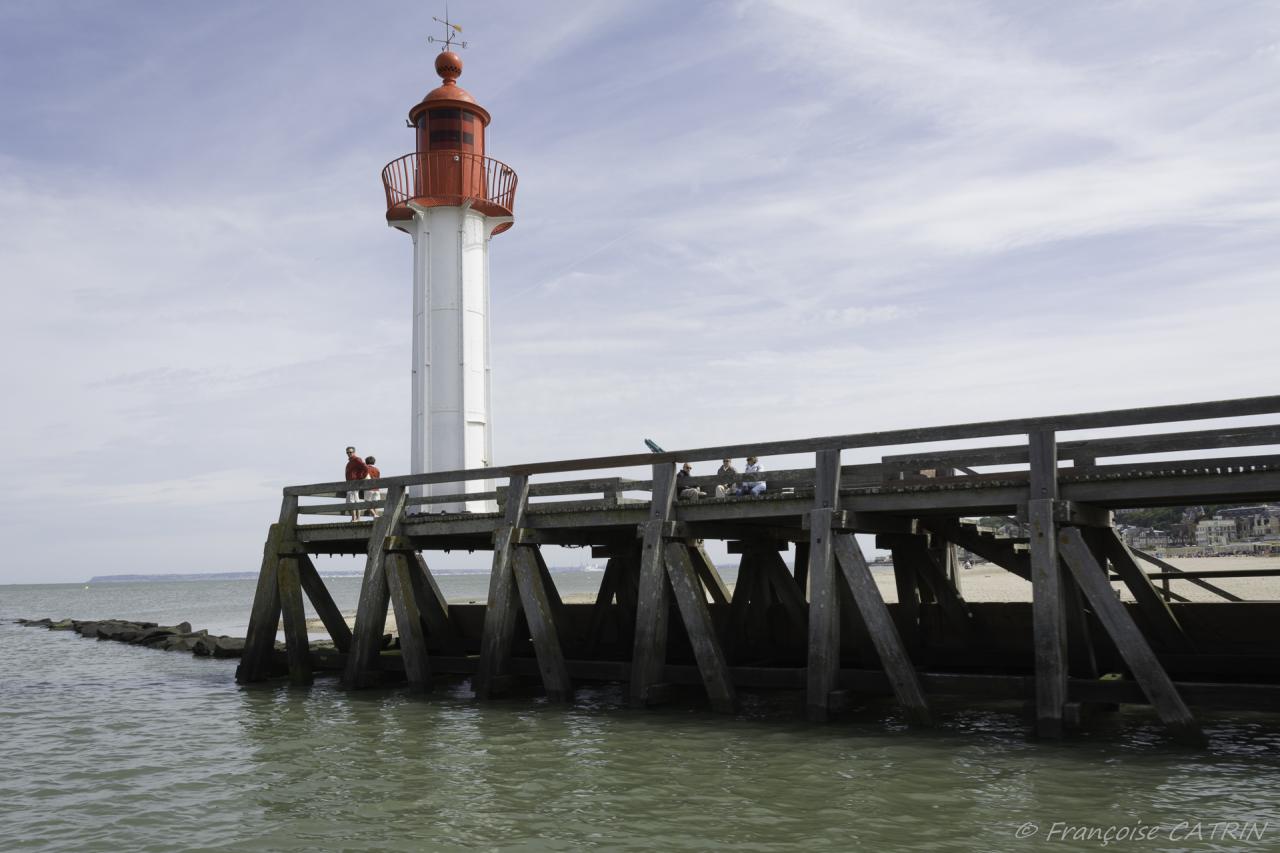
<point x="371" y="609"/>
<point x="708" y="574"/>
<point x="542" y="624"/>
<point x="824" y="601"/>
<point x="409" y="622"/>
<point x="1088" y="451"/>
<point x="650" y="652"/>
<point x="692" y="604"/>
<point x="1133" y="647"/>
<point x="1164" y="624"/>
<point x="884" y="634"/>
<point x="322" y="601"/>
<point x="264" y="618"/>
<point x="295" y="622"/>
<point x="500" y="615"/>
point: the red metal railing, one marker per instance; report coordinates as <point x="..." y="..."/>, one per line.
<point x="437" y="178"/>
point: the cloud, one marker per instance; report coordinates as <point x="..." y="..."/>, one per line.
<point x="779" y="219"/>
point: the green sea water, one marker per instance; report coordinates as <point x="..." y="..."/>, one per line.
<point x="109" y="747"/>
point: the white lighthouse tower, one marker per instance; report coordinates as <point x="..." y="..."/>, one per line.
<point x="450" y="199"/>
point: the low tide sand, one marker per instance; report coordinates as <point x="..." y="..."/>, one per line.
<point x="988" y="582"/>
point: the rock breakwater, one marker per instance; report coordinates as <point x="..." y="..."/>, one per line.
<point x="170" y="638"/>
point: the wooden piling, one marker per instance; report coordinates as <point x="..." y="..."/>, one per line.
<point x="824" y="602"/>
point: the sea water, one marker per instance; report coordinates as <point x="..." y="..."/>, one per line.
<point x="111" y="747"/>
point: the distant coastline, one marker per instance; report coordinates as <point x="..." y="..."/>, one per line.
<point x="201" y="576"/>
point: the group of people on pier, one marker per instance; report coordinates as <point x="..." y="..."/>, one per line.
<point x="362" y="469"/>
<point x="728" y="484"/>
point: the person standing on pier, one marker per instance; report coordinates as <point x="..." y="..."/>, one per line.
<point x="372" y="494"/>
<point x="356" y="470"/>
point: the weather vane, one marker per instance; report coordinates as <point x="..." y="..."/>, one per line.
<point x="450" y="30"/>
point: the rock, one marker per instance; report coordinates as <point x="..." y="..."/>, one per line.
<point x="229" y="647"/>
<point x="64" y="625"/>
<point x="33" y="623"/>
<point x="152" y="634"/>
<point x="88" y="629"/>
<point x="182" y="628"/>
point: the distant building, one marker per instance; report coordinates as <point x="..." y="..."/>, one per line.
<point x="1215" y="531"/>
<point x="1254" y="522"/>
<point x="1145" y="538"/>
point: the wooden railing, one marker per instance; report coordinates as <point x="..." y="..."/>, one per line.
<point x="450" y="178"/>
<point x="947" y="464"/>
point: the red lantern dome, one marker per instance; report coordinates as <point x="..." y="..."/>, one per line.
<point x="449" y="166"/>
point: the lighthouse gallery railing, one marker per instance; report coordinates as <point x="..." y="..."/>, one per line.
<point x="448" y="178"/>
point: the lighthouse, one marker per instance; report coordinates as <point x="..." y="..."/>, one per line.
<point x="450" y="198"/>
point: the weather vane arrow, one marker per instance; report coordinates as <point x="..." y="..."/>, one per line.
<point x="451" y="30"/>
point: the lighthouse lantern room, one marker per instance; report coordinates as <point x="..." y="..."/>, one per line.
<point x="450" y="199"/>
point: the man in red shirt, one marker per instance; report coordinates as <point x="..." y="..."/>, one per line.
<point x="356" y="470"/>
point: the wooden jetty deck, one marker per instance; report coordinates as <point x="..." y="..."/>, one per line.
<point x="664" y="618"/>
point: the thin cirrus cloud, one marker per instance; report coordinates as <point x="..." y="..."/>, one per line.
<point x="779" y="218"/>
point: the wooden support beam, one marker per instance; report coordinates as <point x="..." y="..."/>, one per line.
<point x="264" y="619"/>
<point x="884" y="634"/>
<point x="1200" y="582"/>
<point x="322" y="601"/>
<point x="433" y="607"/>
<point x="774" y="572"/>
<point x="371" y="610"/>
<point x="409" y="621"/>
<point x="558" y="612"/>
<point x="745" y="594"/>
<point x="824" y="600"/>
<point x="1048" y="608"/>
<point x="603" y="604"/>
<point x="530" y="581"/>
<point x="650" y="652"/>
<point x="930" y="572"/>
<point x="692" y="604"/>
<point x="802" y="567"/>
<point x="1133" y="647"/>
<point x="907" y="582"/>
<point x="297" y="648"/>
<point x="500" y="615"/>
<point x="709" y="574"/>
<point x="1168" y="632"/>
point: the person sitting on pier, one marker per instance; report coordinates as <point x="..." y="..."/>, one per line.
<point x="728" y="475"/>
<point x="754" y="488"/>
<point x="685" y="488"/>
<point x="372" y="494"/>
<point x="356" y="470"/>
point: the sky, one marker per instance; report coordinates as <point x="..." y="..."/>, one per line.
<point x="736" y="221"/>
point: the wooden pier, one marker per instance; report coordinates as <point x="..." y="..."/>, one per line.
<point x="665" y="619"/>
